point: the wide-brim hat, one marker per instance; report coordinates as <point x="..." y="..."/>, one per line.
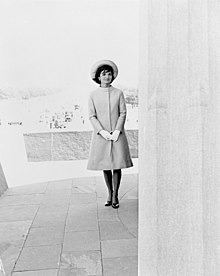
<point x="100" y="63"/>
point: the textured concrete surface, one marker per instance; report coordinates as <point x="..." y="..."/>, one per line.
<point x="55" y="146"/>
<point x="179" y="131"/>
<point x="3" y="182"/>
<point x="62" y="228"/>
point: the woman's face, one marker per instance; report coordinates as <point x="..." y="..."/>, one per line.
<point x="105" y="78"/>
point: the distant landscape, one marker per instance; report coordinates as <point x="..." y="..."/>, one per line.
<point x="26" y="93"/>
<point x="40" y="110"/>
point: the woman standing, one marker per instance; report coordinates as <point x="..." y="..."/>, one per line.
<point x="109" y="149"/>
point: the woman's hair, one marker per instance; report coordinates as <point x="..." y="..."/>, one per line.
<point x="105" y="67"/>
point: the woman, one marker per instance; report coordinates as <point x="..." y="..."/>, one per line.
<point x="109" y="150"/>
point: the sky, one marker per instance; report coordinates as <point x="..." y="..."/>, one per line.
<point x="54" y="43"/>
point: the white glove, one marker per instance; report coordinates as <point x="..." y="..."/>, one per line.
<point x="115" y="135"/>
<point x="105" y="134"/>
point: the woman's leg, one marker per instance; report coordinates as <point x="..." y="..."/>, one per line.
<point x="108" y="181"/>
<point x="116" y="184"/>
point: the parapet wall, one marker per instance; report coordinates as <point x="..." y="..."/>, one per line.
<point x="3" y="182"/>
<point x="57" y="146"/>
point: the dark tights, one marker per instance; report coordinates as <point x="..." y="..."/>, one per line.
<point x="112" y="182"/>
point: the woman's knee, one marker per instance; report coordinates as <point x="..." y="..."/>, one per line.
<point x="117" y="171"/>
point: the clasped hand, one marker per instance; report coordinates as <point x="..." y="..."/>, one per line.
<point x="107" y="136"/>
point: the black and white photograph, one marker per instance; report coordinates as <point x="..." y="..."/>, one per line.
<point x="109" y="137"/>
<point x="69" y="137"/>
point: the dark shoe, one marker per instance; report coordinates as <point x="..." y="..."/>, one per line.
<point x="108" y="203"/>
<point x="115" y="205"/>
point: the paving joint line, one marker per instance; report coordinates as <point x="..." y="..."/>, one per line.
<point x="64" y="231"/>
<point x="41" y="269"/>
<point x="100" y="242"/>
<point x="127" y="192"/>
<point x="19" y="255"/>
<point x="127" y="229"/>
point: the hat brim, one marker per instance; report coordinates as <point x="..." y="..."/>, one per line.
<point x="100" y="63"/>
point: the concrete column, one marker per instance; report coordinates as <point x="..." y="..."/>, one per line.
<point x="3" y="182"/>
<point x="179" y="139"/>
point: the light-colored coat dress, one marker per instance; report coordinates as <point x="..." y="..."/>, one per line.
<point x="107" y="110"/>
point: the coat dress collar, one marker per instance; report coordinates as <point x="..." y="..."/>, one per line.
<point x="106" y="89"/>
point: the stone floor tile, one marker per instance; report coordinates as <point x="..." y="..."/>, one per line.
<point x="33" y="199"/>
<point x="84" y="213"/>
<point x="86" y="223"/>
<point x="54" y="207"/>
<point x="102" y="193"/>
<point x="82" y="198"/>
<point x="75" y="272"/>
<point x="9" y="252"/>
<point x="101" y="190"/>
<point x="101" y="200"/>
<point x="83" y="209"/>
<point x="44" y="236"/>
<point x="58" y="192"/>
<point x="123" y="266"/>
<point x="49" y="223"/>
<point x="14" y="231"/>
<point x="134" y="231"/>
<point x="130" y="177"/>
<point x="81" y="213"/>
<point x="38" y="188"/>
<point x="82" y="220"/>
<point x="40" y="257"/>
<point x="129" y="204"/>
<point x="52" y="211"/>
<point x="56" y="212"/>
<point x="85" y="188"/>
<point x="56" y="202"/>
<point x="65" y="184"/>
<point x="49" y="219"/>
<point x="126" y="188"/>
<point x="48" y="272"/>
<point x="18" y="212"/>
<point x="128" y="213"/>
<point x="113" y="230"/>
<point x="107" y="213"/>
<point x="131" y="194"/>
<point x="83" y="180"/>
<point x="78" y="241"/>
<point x="99" y="179"/>
<point x="59" y="195"/>
<point x="100" y="182"/>
<point x="119" y="248"/>
<point x="81" y="263"/>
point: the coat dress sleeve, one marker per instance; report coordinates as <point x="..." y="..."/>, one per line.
<point x="122" y="113"/>
<point x="93" y="116"/>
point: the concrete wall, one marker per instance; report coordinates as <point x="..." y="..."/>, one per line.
<point x="72" y="145"/>
<point x="3" y="182"/>
<point x="179" y="138"/>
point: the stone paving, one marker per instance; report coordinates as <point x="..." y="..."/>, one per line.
<point x="62" y="228"/>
